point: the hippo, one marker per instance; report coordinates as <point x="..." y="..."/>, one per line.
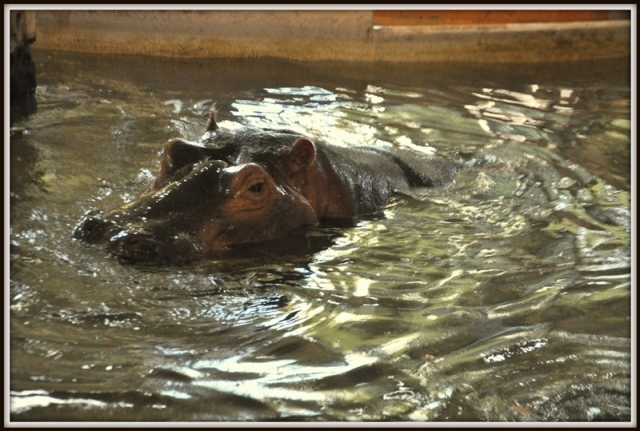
<point x="252" y="185"/>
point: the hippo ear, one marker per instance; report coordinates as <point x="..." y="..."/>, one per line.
<point x="178" y="154"/>
<point x="302" y="154"/>
<point x="211" y="122"/>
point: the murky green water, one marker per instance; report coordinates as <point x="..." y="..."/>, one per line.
<point x="504" y="296"/>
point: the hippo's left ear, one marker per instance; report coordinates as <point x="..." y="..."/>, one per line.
<point x="211" y="119"/>
<point x="302" y="154"/>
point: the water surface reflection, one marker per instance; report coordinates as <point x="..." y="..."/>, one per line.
<point x="504" y="296"/>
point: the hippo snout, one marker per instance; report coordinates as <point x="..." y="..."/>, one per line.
<point x="137" y="242"/>
<point x="134" y="246"/>
<point x="130" y="245"/>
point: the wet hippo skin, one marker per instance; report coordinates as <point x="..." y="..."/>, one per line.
<point x="253" y="185"/>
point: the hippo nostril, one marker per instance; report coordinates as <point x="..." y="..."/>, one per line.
<point x="92" y="227"/>
<point x="134" y="246"/>
<point x="131" y="239"/>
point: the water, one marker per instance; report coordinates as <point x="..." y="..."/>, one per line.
<point x="505" y="296"/>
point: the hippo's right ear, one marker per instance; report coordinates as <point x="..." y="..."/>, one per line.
<point x="302" y="154"/>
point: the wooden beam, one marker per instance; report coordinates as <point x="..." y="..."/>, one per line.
<point x="462" y="17"/>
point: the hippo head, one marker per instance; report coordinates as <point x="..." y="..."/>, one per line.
<point x="232" y="188"/>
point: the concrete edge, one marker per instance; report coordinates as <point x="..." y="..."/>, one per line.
<point x="527" y="42"/>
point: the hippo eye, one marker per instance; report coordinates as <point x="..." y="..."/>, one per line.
<point x="257" y="187"/>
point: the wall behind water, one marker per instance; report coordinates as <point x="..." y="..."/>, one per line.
<point x="358" y="35"/>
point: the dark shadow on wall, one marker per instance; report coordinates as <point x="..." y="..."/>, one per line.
<point x="23" y="69"/>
